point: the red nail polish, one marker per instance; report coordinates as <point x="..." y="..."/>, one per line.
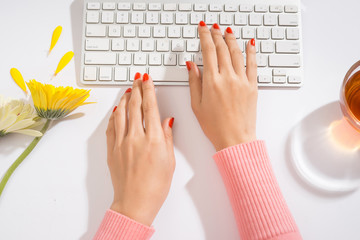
<point x="137" y="76"/>
<point x="115" y="108"/>
<point x="202" y="23"/>
<point x="145" y="77"/>
<point x="128" y="90"/>
<point x="188" y="65"/>
<point x="216" y="26"/>
<point x="229" y="30"/>
<point x="171" y="122"/>
<point x="252" y="42"/>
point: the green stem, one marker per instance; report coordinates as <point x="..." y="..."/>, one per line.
<point x="21" y="158"/>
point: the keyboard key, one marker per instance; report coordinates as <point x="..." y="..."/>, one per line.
<point x="288" y="20"/>
<point x="159" y="31"/>
<point x="118" y="44"/>
<point x="154" y="6"/>
<point x="276" y="8"/>
<point x="167" y="18"/>
<point x="124" y="58"/>
<point x="107" y="17"/>
<point x="170" y="59"/>
<point x="287" y="47"/>
<point x="226" y="18"/>
<point x="124" y="6"/>
<point x="215" y="8"/>
<point x="133" y="45"/>
<point x="105" y="74"/>
<point x="152" y="18"/>
<point x="279" y="79"/>
<point x="270" y="20"/>
<point x="93" y="6"/>
<point x="262" y="33"/>
<point x="193" y="45"/>
<point x="137" y="69"/>
<point x="129" y="31"/>
<point x="195" y="18"/>
<point x="121" y="74"/>
<point x="279" y="72"/>
<point x="292" y="33"/>
<point x="291" y="9"/>
<point x="261" y="60"/>
<point x="184" y="6"/>
<point x="189" y="32"/>
<point x="92" y="17"/>
<point x="90" y="73"/>
<point x="122" y="17"/>
<point x="168" y="74"/>
<point x="139" y="6"/>
<point x="277" y="33"/>
<point x="264" y="79"/>
<point x="148" y="45"/>
<point x="211" y="18"/>
<point x="240" y="19"/>
<point x="261" y="8"/>
<point x="163" y="45"/>
<point x="231" y="8"/>
<point x="97" y="44"/>
<point x="169" y="6"/>
<point x="248" y="32"/>
<point x="144" y="31"/>
<point x="181" y="18"/>
<point x="155" y="59"/>
<point x="174" y="32"/>
<point x="109" y="6"/>
<point x="294" y="79"/>
<point x="284" y="61"/>
<point x="137" y="17"/>
<point x="198" y="59"/>
<point x="140" y="58"/>
<point x="200" y="7"/>
<point x="95" y="31"/>
<point x="246" y="8"/>
<point x="92" y="58"/>
<point x="114" y="31"/>
<point x="255" y="19"/>
<point x="267" y="47"/>
<point x="183" y="58"/>
<point x="177" y="45"/>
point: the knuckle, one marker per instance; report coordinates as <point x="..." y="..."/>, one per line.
<point x="148" y="106"/>
<point x="235" y="51"/>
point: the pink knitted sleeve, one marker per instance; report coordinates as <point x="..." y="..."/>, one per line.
<point x="259" y="207"/>
<point x="119" y="227"/>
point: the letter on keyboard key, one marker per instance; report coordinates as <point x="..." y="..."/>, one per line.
<point x="193" y="45"/>
<point x="170" y="59"/>
<point x="95" y="30"/>
<point x="284" y="61"/>
<point x="264" y="79"/>
<point x="105" y="74"/>
<point x="294" y="79"/>
<point x="171" y="74"/>
<point x="92" y="58"/>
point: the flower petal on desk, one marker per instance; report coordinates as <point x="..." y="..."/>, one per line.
<point x="64" y="61"/>
<point x="55" y="37"/>
<point x="18" y="78"/>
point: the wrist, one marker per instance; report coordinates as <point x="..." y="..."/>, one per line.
<point x="134" y="213"/>
<point x="229" y="142"/>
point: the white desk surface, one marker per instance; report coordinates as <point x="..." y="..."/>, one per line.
<point x="62" y="190"/>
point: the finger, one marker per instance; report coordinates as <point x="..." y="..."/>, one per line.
<point x="135" y="110"/>
<point x="120" y="117"/>
<point x="150" y="107"/>
<point x="110" y="133"/>
<point x="194" y="83"/>
<point x="236" y="55"/>
<point x="251" y="66"/>
<point x="167" y="126"/>
<point x="222" y="51"/>
<point x="208" y="49"/>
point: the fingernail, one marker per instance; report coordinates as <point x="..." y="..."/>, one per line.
<point x="145" y="77"/>
<point x="115" y="108"/>
<point x="171" y="122"/>
<point x="252" y="42"/>
<point x="137" y="76"/>
<point x="202" y="23"/>
<point x="188" y="65"/>
<point x="229" y="30"/>
<point x="216" y="26"/>
<point x="128" y="90"/>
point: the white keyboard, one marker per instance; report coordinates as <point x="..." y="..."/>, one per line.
<point x="122" y="38"/>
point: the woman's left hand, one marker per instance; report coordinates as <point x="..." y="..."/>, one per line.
<point x="141" y="159"/>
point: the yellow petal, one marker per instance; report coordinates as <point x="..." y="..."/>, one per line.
<point x="29" y="132"/>
<point x="55" y="37"/>
<point x="64" y="61"/>
<point x="18" y="78"/>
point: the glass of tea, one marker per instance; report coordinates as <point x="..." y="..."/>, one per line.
<point x="350" y="96"/>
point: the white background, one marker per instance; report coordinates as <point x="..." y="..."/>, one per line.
<point x="62" y="190"/>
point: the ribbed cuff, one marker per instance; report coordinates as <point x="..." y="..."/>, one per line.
<point x="119" y="227"/>
<point x="260" y="209"/>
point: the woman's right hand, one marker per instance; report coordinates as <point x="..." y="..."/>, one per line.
<point x="224" y="98"/>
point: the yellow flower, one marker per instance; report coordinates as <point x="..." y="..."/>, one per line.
<point x="18" y="117"/>
<point x="56" y="102"/>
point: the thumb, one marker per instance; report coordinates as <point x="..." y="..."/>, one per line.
<point x="167" y="127"/>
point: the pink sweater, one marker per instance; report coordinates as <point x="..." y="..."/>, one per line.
<point x="259" y="207"/>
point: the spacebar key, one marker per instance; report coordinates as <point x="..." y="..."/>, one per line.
<point x="100" y="58"/>
<point x="169" y="74"/>
<point x="284" y="61"/>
